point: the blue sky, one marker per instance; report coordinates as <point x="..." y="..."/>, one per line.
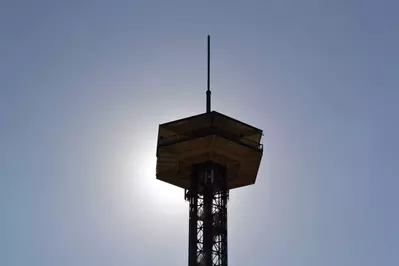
<point x="85" y="84"/>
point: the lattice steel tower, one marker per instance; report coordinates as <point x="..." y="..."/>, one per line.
<point x="207" y="155"/>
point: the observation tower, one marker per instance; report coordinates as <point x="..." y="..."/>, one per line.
<point x="207" y="155"/>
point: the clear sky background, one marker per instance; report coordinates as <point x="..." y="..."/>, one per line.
<point x="85" y="84"/>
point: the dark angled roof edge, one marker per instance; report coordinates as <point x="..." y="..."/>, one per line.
<point x="212" y="113"/>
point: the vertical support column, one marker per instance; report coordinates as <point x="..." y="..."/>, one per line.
<point x="224" y="193"/>
<point x="208" y="216"/>
<point x="192" y="197"/>
<point x="220" y="199"/>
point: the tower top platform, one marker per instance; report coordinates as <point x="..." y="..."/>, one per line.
<point x="208" y="137"/>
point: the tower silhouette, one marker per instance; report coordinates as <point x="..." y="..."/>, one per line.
<point x="207" y="155"/>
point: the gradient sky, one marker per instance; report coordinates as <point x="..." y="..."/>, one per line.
<point x="85" y="84"/>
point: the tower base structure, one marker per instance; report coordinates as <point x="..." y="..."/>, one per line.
<point x="208" y="196"/>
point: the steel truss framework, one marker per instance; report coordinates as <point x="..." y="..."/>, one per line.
<point x="208" y="196"/>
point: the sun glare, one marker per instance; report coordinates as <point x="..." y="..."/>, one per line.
<point x="140" y="168"/>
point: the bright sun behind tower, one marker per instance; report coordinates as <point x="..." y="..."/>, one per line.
<point x="140" y="169"/>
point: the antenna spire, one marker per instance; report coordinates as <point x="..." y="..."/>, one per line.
<point x="208" y="91"/>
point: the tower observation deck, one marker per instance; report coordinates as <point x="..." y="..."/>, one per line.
<point x="207" y="155"/>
